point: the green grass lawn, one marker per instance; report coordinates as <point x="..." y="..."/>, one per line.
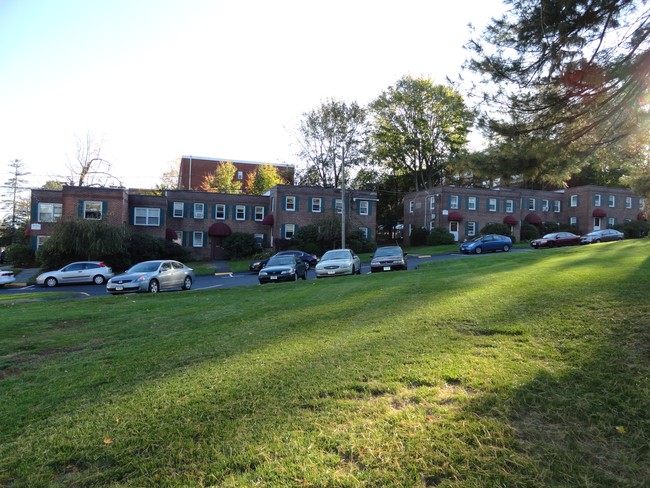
<point x="510" y="369"/>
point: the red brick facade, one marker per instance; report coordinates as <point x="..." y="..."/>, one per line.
<point x="193" y="170"/>
<point x="464" y="211"/>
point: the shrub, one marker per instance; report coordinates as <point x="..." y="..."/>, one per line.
<point x="143" y="247"/>
<point x="240" y="245"/>
<point x="20" y="255"/>
<point x="440" y="236"/>
<point x="528" y="232"/>
<point x="634" y="229"/>
<point x="419" y="236"/>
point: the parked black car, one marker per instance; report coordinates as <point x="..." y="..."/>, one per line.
<point x="310" y="260"/>
<point x="285" y="267"/>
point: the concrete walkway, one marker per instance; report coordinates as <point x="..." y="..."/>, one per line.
<point x="23" y="276"/>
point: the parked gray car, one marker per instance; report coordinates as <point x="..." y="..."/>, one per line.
<point x="338" y="262"/>
<point x="79" y="272"/>
<point x="602" y="236"/>
<point x="152" y="277"/>
<point x="388" y="258"/>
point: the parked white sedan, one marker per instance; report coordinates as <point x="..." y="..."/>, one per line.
<point x="6" y="277"/>
<point x="79" y="272"/>
<point x="338" y="262"/>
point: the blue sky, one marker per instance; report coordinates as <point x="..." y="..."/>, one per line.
<point x="157" y="79"/>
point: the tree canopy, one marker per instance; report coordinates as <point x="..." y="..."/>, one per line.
<point x="564" y="81"/>
<point x="265" y="177"/>
<point x="418" y="128"/>
<point x="223" y="179"/>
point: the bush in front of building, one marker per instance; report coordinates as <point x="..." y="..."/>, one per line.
<point x="20" y="255"/>
<point x="439" y="236"/>
<point x="529" y="232"/>
<point x="240" y="245"/>
<point x="497" y="228"/>
<point x="358" y="242"/>
<point x="634" y="229"/>
<point x="419" y="236"/>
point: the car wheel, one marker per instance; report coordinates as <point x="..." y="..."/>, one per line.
<point x="187" y="283"/>
<point x="551" y="244"/>
<point x="51" y="282"/>
<point x="354" y="270"/>
<point x="99" y="280"/>
<point x="304" y="276"/>
<point x="153" y="286"/>
<point x="597" y="240"/>
<point x="478" y="250"/>
<point x="506" y="248"/>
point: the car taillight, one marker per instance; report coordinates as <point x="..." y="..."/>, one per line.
<point x="102" y="265"/>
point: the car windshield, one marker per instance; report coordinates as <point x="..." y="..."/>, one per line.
<point x="476" y="239"/>
<point x="286" y="260"/>
<point x="144" y="267"/>
<point x="550" y="236"/>
<point x="388" y="251"/>
<point x="335" y="255"/>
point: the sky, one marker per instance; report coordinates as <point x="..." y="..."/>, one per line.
<point x="158" y="79"/>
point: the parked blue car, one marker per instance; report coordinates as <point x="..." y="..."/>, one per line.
<point x="487" y="242"/>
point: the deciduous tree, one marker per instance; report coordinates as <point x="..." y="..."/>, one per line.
<point x="265" y="177"/>
<point x="87" y="167"/>
<point x="223" y="179"/>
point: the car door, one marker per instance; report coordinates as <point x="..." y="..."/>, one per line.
<point x="301" y="267"/>
<point x="73" y="273"/>
<point x="166" y="275"/>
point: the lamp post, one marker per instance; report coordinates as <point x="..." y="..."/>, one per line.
<point x="342" y="200"/>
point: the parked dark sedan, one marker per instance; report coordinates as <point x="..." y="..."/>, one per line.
<point x="602" y="236"/>
<point x="257" y="265"/>
<point x="388" y="258"/>
<point x="285" y="267"/>
<point x="487" y="242"/>
<point x="556" y="239"/>
<point x="310" y="260"/>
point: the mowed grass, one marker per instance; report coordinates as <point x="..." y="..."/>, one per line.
<point x="517" y="369"/>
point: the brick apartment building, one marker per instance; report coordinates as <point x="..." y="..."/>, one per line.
<point x="193" y="170"/>
<point x="464" y="211"/>
<point x="199" y="221"/>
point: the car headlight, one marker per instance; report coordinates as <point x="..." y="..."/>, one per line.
<point x="288" y="271"/>
<point x="263" y="273"/>
<point x="141" y="278"/>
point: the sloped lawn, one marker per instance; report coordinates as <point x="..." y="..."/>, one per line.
<point x="512" y="369"/>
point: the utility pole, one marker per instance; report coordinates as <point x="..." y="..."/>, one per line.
<point x="342" y="199"/>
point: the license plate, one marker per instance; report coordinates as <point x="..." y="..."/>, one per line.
<point x="386" y="268"/>
<point x="119" y="288"/>
<point x="330" y="272"/>
<point x="274" y="277"/>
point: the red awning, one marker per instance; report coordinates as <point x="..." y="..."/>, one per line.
<point x="510" y="220"/>
<point x="533" y="218"/>
<point x="641" y="216"/>
<point x="219" y="229"/>
<point x="268" y="219"/>
<point x="170" y="234"/>
<point x="599" y="212"/>
<point x="455" y="217"/>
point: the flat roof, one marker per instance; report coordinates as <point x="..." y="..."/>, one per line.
<point x="235" y="161"/>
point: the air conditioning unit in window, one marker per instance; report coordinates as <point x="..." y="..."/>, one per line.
<point x="544" y="209"/>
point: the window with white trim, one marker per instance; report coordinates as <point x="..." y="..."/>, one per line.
<point x="510" y="206"/>
<point x="179" y="238"/>
<point x="453" y="201"/>
<point x="146" y="216"/>
<point x="471" y="203"/>
<point x="259" y="213"/>
<point x="531" y="204"/>
<point x="364" y="207"/>
<point x="628" y="202"/>
<point x="290" y="204"/>
<point x="316" y="205"/>
<point x="492" y="205"/>
<point x="611" y="201"/>
<point x="197" y="239"/>
<point x="411" y="206"/>
<point x="220" y="211"/>
<point x="178" y="210"/>
<point x="199" y="210"/>
<point x="573" y="202"/>
<point x="545" y="207"/>
<point x="240" y="212"/>
<point x="597" y="200"/>
<point x="365" y="231"/>
<point x="40" y="240"/>
<point x="573" y="220"/>
<point x="92" y="210"/>
<point x="289" y="230"/>
<point x="557" y="206"/>
<point x="240" y="175"/>
<point x="611" y="221"/>
<point x="471" y="228"/>
<point x="432" y="203"/>
<point x="338" y="205"/>
<point x="49" y="212"/>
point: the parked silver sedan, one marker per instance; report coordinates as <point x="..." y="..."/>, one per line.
<point x="388" y="258"/>
<point x="79" y="272"/>
<point x="338" y="262"/>
<point x="602" y="236"/>
<point x="6" y="277"/>
<point x="152" y="277"/>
